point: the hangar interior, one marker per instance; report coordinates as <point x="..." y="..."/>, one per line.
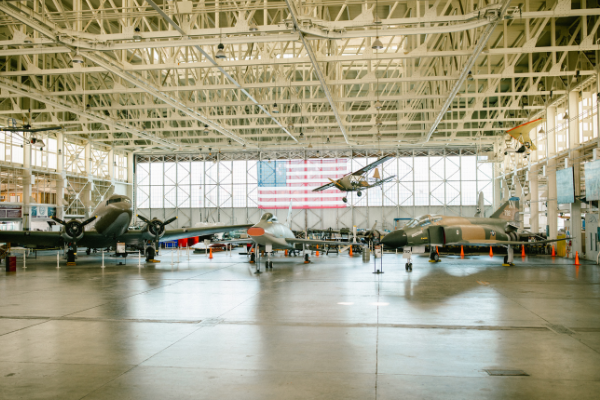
<point x="221" y="111"/>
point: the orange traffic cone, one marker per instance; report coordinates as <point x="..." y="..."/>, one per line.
<point x="210" y="255"/>
<point x="462" y="252"/>
<point x="553" y="252"/>
<point x="350" y="250"/>
<point x="522" y="250"/>
<point x="437" y="250"/>
<point x="491" y="253"/>
<point x="286" y="253"/>
<point x="577" y="258"/>
<point x="317" y="250"/>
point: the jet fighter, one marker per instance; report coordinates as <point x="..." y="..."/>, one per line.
<point x="500" y="229"/>
<point x="358" y="181"/>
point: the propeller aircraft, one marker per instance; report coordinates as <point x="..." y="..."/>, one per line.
<point x="358" y="181"/>
<point x="113" y="218"/>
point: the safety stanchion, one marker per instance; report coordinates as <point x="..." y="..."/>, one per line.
<point x="58" y="259"/>
<point x="172" y="257"/>
<point x="24" y="259"/>
<point x="187" y="249"/>
<point x="139" y="259"/>
<point x="102" y="266"/>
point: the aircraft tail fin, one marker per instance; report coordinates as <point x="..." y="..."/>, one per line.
<point x="288" y="222"/>
<point x="508" y="211"/>
<point x="480" y="206"/>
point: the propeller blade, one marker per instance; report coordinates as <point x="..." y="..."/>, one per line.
<point x="87" y="221"/>
<point x="60" y="221"/>
<point x="146" y="220"/>
<point x="167" y="222"/>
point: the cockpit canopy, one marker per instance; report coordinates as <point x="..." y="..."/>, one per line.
<point x="423" y="220"/>
<point x="118" y="199"/>
<point x="268" y="217"/>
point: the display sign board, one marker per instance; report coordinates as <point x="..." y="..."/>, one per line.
<point x="7" y="211"/>
<point x="565" y="186"/>
<point x="120" y="248"/>
<point x="407" y="253"/>
<point x="592" y="180"/>
<point x="377" y="252"/>
<point x="43" y="211"/>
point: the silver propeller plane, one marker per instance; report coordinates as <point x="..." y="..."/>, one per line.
<point x="358" y="181"/>
<point x="113" y="218"/>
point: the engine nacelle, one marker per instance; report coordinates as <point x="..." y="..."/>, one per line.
<point x="155" y="228"/>
<point x="73" y="230"/>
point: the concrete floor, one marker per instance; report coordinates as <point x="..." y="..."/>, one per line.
<point x="327" y="330"/>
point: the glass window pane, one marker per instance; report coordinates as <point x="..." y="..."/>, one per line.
<point x="421" y="169"/>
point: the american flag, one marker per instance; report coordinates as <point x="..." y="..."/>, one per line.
<point x="280" y="182"/>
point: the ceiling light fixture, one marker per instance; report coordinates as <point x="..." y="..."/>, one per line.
<point x="220" y="53"/>
<point x="206" y="129"/>
<point x="470" y="76"/>
<point x="275" y="109"/>
<point x="377" y="45"/>
<point x="378" y="105"/>
<point x="566" y="116"/>
<point x="252" y="26"/>
<point x="77" y="58"/>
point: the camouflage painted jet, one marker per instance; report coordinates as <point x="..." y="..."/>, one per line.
<point x="358" y="181"/>
<point x="500" y="229"/>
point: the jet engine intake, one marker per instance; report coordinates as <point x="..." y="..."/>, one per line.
<point x="73" y="230"/>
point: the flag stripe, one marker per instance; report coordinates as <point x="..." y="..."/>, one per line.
<point x="280" y="182"/>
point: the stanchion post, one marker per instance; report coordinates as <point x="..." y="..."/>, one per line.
<point x="58" y="259"/>
<point x="24" y="259"/>
<point x="102" y="266"/>
<point x="139" y="259"/>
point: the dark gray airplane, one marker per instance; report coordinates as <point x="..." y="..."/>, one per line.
<point x="113" y="217"/>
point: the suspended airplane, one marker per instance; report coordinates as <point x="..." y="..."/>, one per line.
<point x="500" y="229"/>
<point x="521" y="134"/>
<point x="113" y="218"/>
<point x="28" y="132"/>
<point x="358" y="181"/>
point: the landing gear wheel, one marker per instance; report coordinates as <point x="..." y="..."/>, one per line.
<point x="359" y="193"/>
<point x="406" y="266"/>
<point x="410" y="267"/>
<point x="253" y="257"/>
<point x="306" y="258"/>
<point x="345" y="199"/>
<point x="434" y="257"/>
<point x="150" y="253"/>
<point x="88" y="251"/>
<point x="505" y="259"/>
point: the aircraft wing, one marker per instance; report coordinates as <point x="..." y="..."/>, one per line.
<point x="382" y="181"/>
<point x="486" y="243"/>
<point x="371" y="166"/>
<point x="173" y="234"/>
<point x="521" y="132"/>
<point x="36" y="238"/>
<point x="320" y="242"/>
<point x="325" y="187"/>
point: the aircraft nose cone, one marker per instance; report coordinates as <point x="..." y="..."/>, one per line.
<point x="395" y="239"/>
<point x="255" y="231"/>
